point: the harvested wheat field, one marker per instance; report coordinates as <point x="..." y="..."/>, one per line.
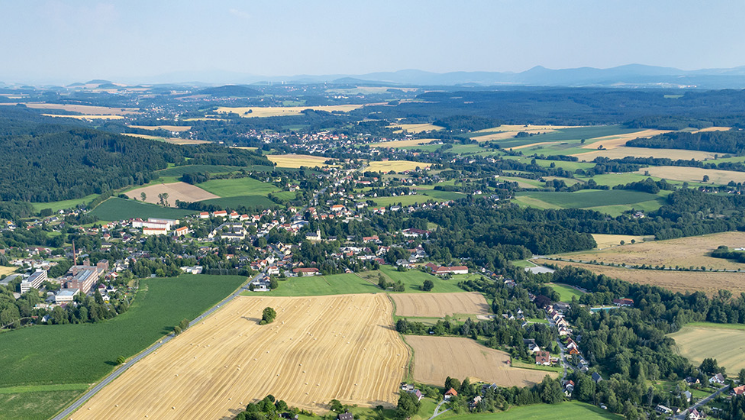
<point x="509" y="131"/>
<point x="279" y="111"/>
<point x="402" y="143"/>
<point x="319" y="348"/>
<point x="727" y="345"/>
<point x="703" y="130"/>
<point x="606" y="241"/>
<point x="297" y="161"/>
<point x="692" y="251"/>
<point x="179" y="128"/>
<point x="680" y="173"/>
<point x="176" y="191"/>
<point x="7" y="270"/>
<point x="619" y="140"/>
<point x="436" y="358"/>
<point x="395" y="165"/>
<point x="85" y="109"/>
<point x="414" y="128"/>
<point x="677" y="281"/>
<point x="623" y="151"/>
<point x="437" y="305"/>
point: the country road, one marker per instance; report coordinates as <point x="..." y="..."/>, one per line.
<point x="121" y="369"/>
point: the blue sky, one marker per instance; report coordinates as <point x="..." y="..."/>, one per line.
<point x="66" y="41"/>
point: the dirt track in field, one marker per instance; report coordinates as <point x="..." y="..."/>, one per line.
<point x="317" y="349"/>
<point x="437" y="305"/>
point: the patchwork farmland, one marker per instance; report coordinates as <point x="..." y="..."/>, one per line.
<point x="176" y="191"/>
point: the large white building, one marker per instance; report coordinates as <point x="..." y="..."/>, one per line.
<point x="35" y="280"/>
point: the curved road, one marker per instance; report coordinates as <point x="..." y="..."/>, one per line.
<point x="121" y="369"/>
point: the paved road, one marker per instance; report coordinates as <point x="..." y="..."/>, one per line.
<point x="683" y="415"/>
<point x="121" y="369"/>
<point x="435" y="414"/>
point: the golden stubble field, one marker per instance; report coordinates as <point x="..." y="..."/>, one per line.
<point x="677" y="281"/>
<point x="509" y="131"/>
<point x="414" y="128"/>
<point x="680" y="173"/>
<point x="176" y="191"/>
<point x="7" y="270"/>
<point x="724" y="344"/>
<point x="402" y="143"/>
<point x="395" y="165"/>
<point x="684" y="252"/>
<point x="319" y="348"/>
<point x="623" y="151"/>
<point x="436" y="358"/>
<point x="607" y="241"/>
<point x="297" y="161"/>
<point x="437" y="305"/>
<point x="619" y="140"/>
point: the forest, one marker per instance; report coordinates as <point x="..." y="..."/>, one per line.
<point x="732" y="141"/>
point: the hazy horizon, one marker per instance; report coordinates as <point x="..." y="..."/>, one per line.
<point x="64" y="42"/>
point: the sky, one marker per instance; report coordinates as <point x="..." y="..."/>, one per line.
<point x="55" y="41"/>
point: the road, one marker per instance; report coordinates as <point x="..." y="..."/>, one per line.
<point x="683" y="415"/>
<point x="436" y="413"/>
<point x="121" y="369"/>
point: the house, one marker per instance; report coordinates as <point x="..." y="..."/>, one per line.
<point x="441" y="271"/>
<point x="543" y="358"/>
<point x="220" y="213"/>
<point x="192" y="270"/>
<point x="740" y="390"/>
<point x="623" y="302"/>
<point x="596" y="377"/>
<point x="694" y="414"/>
<point x="204" y="215"/>
<point x="346" y="416"/>
<point x="717" y="379"/>
<point x="569" y="388"/>
<point x="306" y="271"/>
<point x="450" y="393"/>
<point x="476" y="400"/>
<point x="690" y="380"/>
<point x="687" y="395"/>
<point x="662" y="409"/>
<point x="181" y="231"/>
<point x="418" y="394"/>
<point x="571" y="344"/>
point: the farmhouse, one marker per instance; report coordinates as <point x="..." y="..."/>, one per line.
<point x="346" y="416"/>
<point x="441" y="271"/>
<point x="450" y="393"/>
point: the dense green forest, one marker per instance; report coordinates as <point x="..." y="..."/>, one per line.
<point x="709" y="141"/>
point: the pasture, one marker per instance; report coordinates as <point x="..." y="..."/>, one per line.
<point x="35" y="405"/>
<point x="588" y="198"/>
<point x="395" y="165"/>
<point x="217" y="367"/>
<point x="440" y="304"/>
<point x="190" y="169"/>
<point x="421" y="197"/>
<point x="298" y="161"/>
<point x="336" y="284"/>
<point x="680" y="173"/>
<point x="699" y="341"/>
<point x="566" y="293"/>
<point x="160" y="304"/>
<point x="249" y="201"/>
<point x="571" y="410"/>
<point x="176" y="191"/>
<point x="677" y="281"/>
<point x="692" y="251"/>
<point x="116" y="208"/>
<point x="282" y="111"/>
<point x="436" y="358"/>
<point x="64" y="204"/>
<point x="238" y="187"/>
<point x="413" y="280"/>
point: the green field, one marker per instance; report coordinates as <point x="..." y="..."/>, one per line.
<point x="565" y="411"/>
<point x="237" y="187"/>
<point x="255" y="201"/>
<point x="564" y="134"/>
<point x="212" y="169"/>
<point x="566" y="293"/>
<point x="83" y="353"/>
<point x="589" y="198"/>
<point x="421" y="197"/>
<point x="413" y="279"/>
<point x="35" y="405"/>
<point x="337" y="284"/>
<point x="116" y="208"/>
<point x="716" y="325"/>
<point x="65" y="204"/>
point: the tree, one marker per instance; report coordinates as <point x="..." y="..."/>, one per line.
<point x="120" y="360"/>
<point x="143" y="196"/>
<point x="741" y="376"/>
<point x="706" y="178"/>
<point x="428" y="285"/>
<point x="184" y="324"/>
<point x="335" y="405"/>
<point x="452" y="383"/>
<point x="267" y="317"/>
<point x="709" y="366"/>
<point x="408" y="405"/>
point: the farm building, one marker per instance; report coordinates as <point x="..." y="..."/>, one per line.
<point x="439" y="270"/>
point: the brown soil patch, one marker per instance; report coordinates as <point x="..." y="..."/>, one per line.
<point x="436" y="358"/>
<point x="318" y="349"/>
<point x="176" y="191"/>
<point x="440" y="304"/>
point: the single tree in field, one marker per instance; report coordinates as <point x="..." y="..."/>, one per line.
<point x="143" y="196"/>
<point x="160" y="197"/>
<point x="428" y="285"/>
<point x="120" y="360"/>
<point x="165" y="199"/>
<point x="268" y="315"/>
<point x="184" y="324"/>
<point x="706" y="178"/>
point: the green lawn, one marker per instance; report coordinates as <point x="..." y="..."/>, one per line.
<point x="533" y="366"/>
<point x="83" y="353"/>
<point x="116" y="208"/>
<point x="237" y="187"/>
<point x="35" y="405"/>
<point x="252" y="201"/>
<point x="66" y="204"/>
<point x="337" y="284"/>
<point x="212" y="169"/>
<point x="589" y="198"/>
<point x="565" y="411"/>
<point x="565" y="292"/>
<point x="716" y="325"/>
<point x="413" y="279"/>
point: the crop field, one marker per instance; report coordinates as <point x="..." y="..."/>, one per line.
<point x="216" y="367"/>
<point x="436" y="358"/>
<point x="414" y="128"/>
<point x="298" y="161"/>
<point x="677" y="281"/>
<point x="250" y="201"/>
<point x="85" y="109"/>
<point x="588" y="198"/>
<point x="176" y="191"/>
<point x="189" y="169"/>
<point x="684" y="252"/>
<point x="680" y="173"/>
<point x="727" y="345"/>
<point x="504" y="132"/>
<point x="64" y="204"/>
<point x="606" y="241"/>
<point x="570" y="410"/>
<point x="7" y="270"/>
<point x="622" y="152"/>
<point x="86" y="117"/>
<point x="395" y="165"/>
<point x="404" y="143"/>
<point x="237" y="187"/>
<point x="116" y="208"/>
<point x="619" y="140"/>
<point x="280" y="111"/>
<point x="25" y="353"/>
<point x="178" y="128"/>
<point x="440" y="304"/>
<point x="566" y="293"/>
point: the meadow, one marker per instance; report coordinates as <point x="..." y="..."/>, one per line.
<point x="116" y="208"/>
<point x="588" y="198"/>
<point x="250" y="201"/>
<point x="178" y="128"/>
<point x="35" y="405"/>
<point x="190" y="169"/>
<point x="571" y="410"/>
<point x="413" y="280"/>
<point x="237" y="187"/>
<point x="566" y="293"/>
<point x="420" y="197"/>
<point x="622" y="152"/>
<point x="65" y="204"/>
<point x="680" y="173"/>
<point x="395" y="165"/>
<point x="414" y="128"/>
<point x="701" y="340"/>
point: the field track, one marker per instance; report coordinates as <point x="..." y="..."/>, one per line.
<point x="318" y="349"/>
<point x="440" y="304"/>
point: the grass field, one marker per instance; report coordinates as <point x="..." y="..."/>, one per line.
<point x="622" y="152"/>
<point x="298" y="161"/>
<point x="7" y="270"/>
<point x="237" y="187"/>
<point x="35" y="405"/>
<point x="726" y="345"/>
<point x="440" y="304"/>
<point x="251" y="201"/>
<point x="159" y="305"/>
<point x="413" y="280"/>
<point x="414" y="128"/>
<point x="680" y="173"/>
<point x="421" y="197"/>
<point x="572" y="410"/>
<point x="588" y="198"/>
<point x="619" y="140"/>
<point x="403" y="143"/>
<point x="176" y="191"/>
<point x="65" y="204"/>
<point x="116" y="208"/>
<point x="280" y="111"/>
<point x="684" y="252"/>
<point x="189" y="169"/>
<point x="559" y="134"/>
<point x="566" y="293"/>
<point x="677" y="281"/>
<point x="216" y="367"/>
<point x="337" y="284"/>
<point x="436" y="358"/>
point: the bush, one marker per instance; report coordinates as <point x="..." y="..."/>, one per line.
<point x="267" y="317"/>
